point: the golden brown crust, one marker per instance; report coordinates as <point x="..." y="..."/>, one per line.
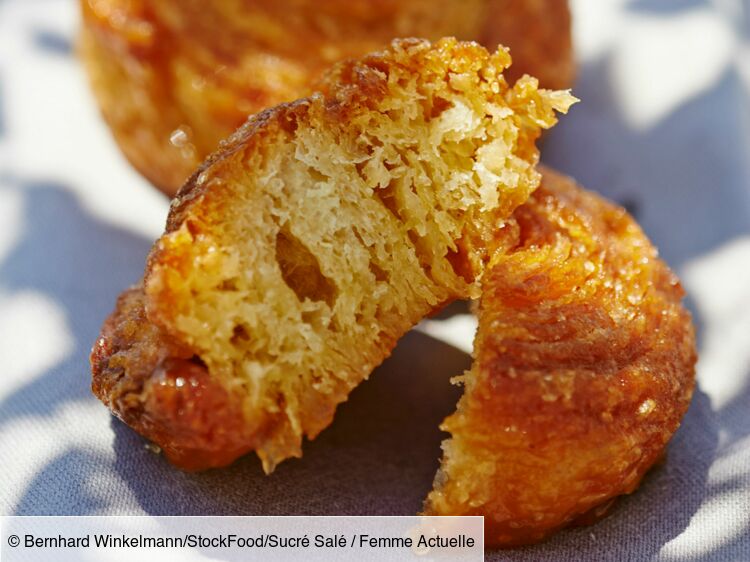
<point x="584" y="368"/>
<point x="173" y="78"/>
<point x="163" y="391"/>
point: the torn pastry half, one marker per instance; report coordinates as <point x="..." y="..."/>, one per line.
<point x="319" y="233"/>
<point x="584" y="365"/>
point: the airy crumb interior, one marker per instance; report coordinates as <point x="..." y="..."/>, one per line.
<point x="342" y="236"/>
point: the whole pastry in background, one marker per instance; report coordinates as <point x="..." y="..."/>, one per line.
<point x="583" y="369"/>
<point x="174" y="77"/>
<point x="321" y="232"/>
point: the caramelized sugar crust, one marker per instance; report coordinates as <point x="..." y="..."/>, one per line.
<point x="174" y="77"/>
<point x="584" y="367"/>
<point x="321" y="232"/>
<point x="163" y="390"/>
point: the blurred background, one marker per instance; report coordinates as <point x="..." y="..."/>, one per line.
<point x="663" y="128"/>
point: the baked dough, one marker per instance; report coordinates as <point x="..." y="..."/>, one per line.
<point x="322" y="231"/>
<point x="174" y="77"/>
<point x="583" y="368"/>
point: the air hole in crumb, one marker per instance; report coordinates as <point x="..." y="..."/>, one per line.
<point x="192" y="227"/>
<point x="301" y="271"/>
<point x="459" y="261"/>
<point x="196" y="360"/>
<point x="227" y="285"/>
<point x="424" y="254"/>
<point x="415" y="239"/>
<point x="308" y="317"/>
<point x="438" y="106"/>
<point x="315" y="175"/>
<point x="333" y="325"/>
<point x="387" y="197"/>
<point x="379" y="273"/>
<point x="239" y="334"/>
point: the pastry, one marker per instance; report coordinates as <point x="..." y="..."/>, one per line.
<point x="319" y="233"/>
<point x="584" y="365"/>
<point x="173" y="78"/>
